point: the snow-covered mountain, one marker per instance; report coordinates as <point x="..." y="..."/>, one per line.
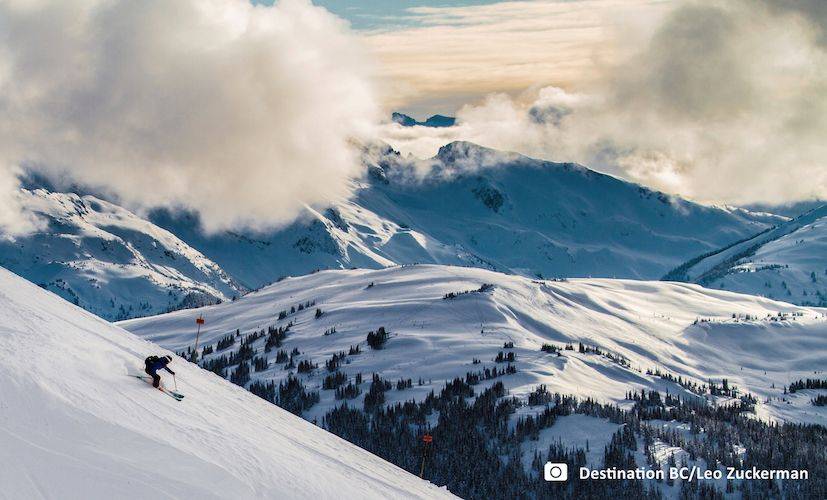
<point x="468" y="206"/>
<point x="487" y="363"/>
<point x="684" y="330"/>
<point x="791" y="209"/>
<point x="788" y="262"/>
<point x="110" y="261"/>
<point x="73" y="425"/>
<point x="475" y="206"/>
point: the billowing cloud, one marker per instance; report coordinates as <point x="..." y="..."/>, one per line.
<point x="726" y="101"/>
<point x="243" y="113"/>
<point x="13" y="217"/>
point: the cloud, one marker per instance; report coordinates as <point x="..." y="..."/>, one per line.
<point x="243" y="113"/>
<point x="725" y="102"/>
<point x="13" y="217"/>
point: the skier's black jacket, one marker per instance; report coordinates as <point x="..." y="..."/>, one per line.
<point x="154" y="363"/>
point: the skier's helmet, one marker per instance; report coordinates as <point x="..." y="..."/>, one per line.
<point x="169" y="358"/>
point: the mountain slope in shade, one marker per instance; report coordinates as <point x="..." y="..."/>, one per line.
<point x="681" y="329"/>
<point x="515" y="214"/>
<point x="437" y="121"/>
<point x="75" y="426"/>
<point x="483" y="208"/>
<point x="792" y="209"/>
<point x="110" y="261"/>
<point x="788" y="262"/>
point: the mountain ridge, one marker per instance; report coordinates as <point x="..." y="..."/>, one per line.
<point x="109" y="260"/>
<point x="469" y="206"/>
<point x="435" y="121"/>
<point x="379" y="226"/>
<point x="784" y="261"/>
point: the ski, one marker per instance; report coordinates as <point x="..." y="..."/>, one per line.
<point x="175" y="395"/>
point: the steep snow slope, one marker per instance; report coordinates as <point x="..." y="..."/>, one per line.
<point x="483" y="208"/>
<point x="788" y="262"/>
<point x="653" y="325"/>
<point x="73" y="425"/>
<point x="110" y="261"/>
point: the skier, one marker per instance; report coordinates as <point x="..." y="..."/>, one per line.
<point x="153" y="364"/>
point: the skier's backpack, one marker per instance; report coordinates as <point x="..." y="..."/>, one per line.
<point x="150" y="361"/>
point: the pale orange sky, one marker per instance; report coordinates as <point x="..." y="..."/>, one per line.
<point x="454" y="55"/>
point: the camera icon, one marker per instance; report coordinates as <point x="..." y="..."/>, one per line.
<point x="556" y="471"/>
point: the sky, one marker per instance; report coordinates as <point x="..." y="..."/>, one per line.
<point x="383" y="14"/>
<point x="438" y="55"/>
<point x="248" y="113"/>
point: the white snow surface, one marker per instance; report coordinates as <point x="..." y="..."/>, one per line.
<point x="574" y="431"/>
<point x="652" y="324"/>
<point x="787" y="263"/>
<point x="73" y="425"/>
<point x="109" y="260"/>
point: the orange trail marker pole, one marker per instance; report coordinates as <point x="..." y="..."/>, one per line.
<point x="198" y="321"/>
<point x="427" y="439"/>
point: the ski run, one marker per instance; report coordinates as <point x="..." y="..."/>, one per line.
<point x="73" y="426"/>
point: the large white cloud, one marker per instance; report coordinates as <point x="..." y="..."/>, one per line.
<point x="242" y="113"/>
<point x="726" y="101"/>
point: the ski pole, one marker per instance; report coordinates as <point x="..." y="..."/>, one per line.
<point x="174" y="381"/>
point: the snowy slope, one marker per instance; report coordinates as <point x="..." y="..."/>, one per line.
<point x="73" y="425"/>
<point x="651" y="324"/>
<point x="483" y="208"/>
<point x="111" y="261"/>
<point x="788" y="262"/>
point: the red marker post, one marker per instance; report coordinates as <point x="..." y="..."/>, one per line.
<point x="427" y="439"/>
<point x="198" y="321"/>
